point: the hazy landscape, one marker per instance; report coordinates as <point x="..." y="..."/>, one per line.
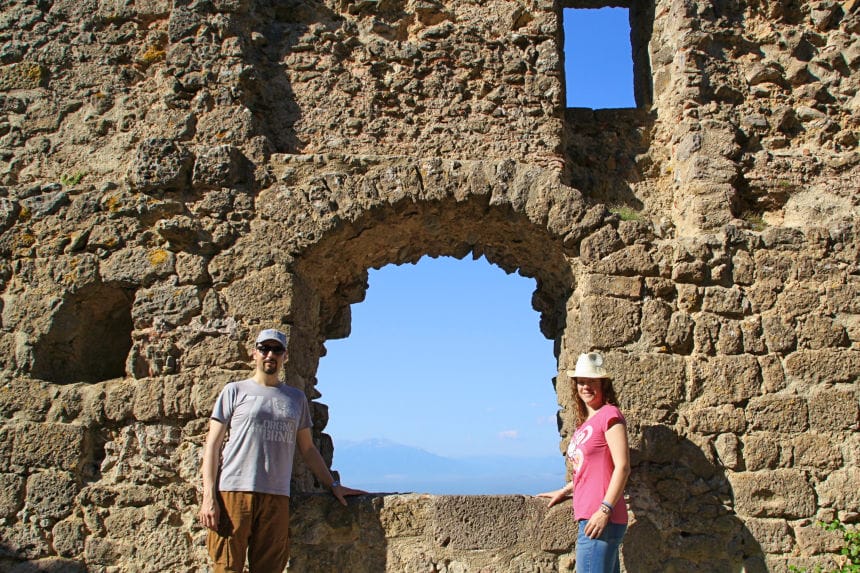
<point x="385" y="466"/>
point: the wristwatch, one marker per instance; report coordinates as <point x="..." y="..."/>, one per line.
<point x="605" y="509"/>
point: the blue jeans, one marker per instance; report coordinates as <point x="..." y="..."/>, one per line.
<point x="599" y="555"/>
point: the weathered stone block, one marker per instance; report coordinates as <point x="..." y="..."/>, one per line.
<point x="11" y="494"/>
<point x="814" y="450"/>
<point x="773" y="535"/>
<point x="68" y="537"/>
<point x="165" y="305"/>
<point x="51" y="494"/>
<point x="833" y="409"/>
<point x="772" y="374"/>
<point x="404" y="515"/>
<point x="609" y="322"/>
<point x="656" y="315"/>
<point x="841" y="490"/>
<point x="772" y="265"/>
<point x="608" y="285"/>
<point x="706" y="334"/>
<point x="763" y="294"/>
<point x="812" y="539"/>
<point x="458" y="519"/>
<point x="753" y="336"/>
<point x="816" y="332"/>
<point x="220" y="166"/>
<point x="780" y="493"/>
<point x="679" y="333"/>
<point x="137" y="266"/>
<point x="728" y="448"/>
<point x="56" y="446"/>
<point x="799" y="299"/>
<point x="724" y="301"/>
<point x="731" y="340"/>
<point x="598" y="245"/>
<point x="724" y="380"/>
<point x="647" y="381"/>
<point x="689" y="297"/>
<point x="119" y="401"/>
<point x="778" y="334"/>
<point x="778" y="413"/>
<point x="160" y="164"/>
<point x="632" y="260"/>
<point x="716" y="420"/>
<point x="743" y="268"/>
<point x="660" y="287"/>
<point x="764" y="450"/>
<point x="829" y="365"/>
<point x="266" y="295"/>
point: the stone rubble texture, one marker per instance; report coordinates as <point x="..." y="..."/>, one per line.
<point x="176" y="175"/>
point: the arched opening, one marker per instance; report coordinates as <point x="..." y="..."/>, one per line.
<point x="89" y="338"/>
<point x="444" y="385"/>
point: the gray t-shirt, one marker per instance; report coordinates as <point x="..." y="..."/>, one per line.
<point x="263" y="422"/>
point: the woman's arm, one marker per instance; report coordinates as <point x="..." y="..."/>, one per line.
<point x="616" y="439"/>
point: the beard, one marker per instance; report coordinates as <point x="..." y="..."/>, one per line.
<point x="270" y="367"/>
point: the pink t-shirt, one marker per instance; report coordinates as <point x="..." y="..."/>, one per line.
<point x="592" y="465"/>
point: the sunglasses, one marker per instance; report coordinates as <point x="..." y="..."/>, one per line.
<point x="276" y="350"/>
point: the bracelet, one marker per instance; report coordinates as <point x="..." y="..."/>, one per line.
<point x="607" y="505"/>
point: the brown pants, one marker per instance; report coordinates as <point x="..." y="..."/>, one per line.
<point x="254" y="523"/>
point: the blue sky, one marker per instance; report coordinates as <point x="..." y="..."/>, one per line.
<point x="446" y="356"/>
<point x="598" y="60"/>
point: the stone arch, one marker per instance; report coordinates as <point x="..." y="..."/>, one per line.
<point x="89" y="337"/>
<point x="339" y="217"/>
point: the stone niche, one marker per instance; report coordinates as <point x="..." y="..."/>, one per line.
<point x="176" y="176"/>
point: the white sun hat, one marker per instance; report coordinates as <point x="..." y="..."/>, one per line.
<point x="589" y="365"/>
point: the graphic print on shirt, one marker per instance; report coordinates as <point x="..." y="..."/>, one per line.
<point x="272" y="420"/>
<point x="574" y="450"/>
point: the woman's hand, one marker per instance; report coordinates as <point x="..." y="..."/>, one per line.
<point x="596" y="524"/>
<point x="556" y="496"/>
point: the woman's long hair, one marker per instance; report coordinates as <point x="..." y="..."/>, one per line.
<point x="609" y="397"/>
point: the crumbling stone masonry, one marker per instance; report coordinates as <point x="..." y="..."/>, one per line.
<point x="176" y="175"/>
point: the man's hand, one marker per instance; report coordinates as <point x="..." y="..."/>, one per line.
<point x="342" y="492"/>
<point x="209" y="512"/>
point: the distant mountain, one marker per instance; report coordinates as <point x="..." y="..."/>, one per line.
<point x="385" y="466"/>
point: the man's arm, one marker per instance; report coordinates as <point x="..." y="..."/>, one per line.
<point x="209" y="509"/>
<point x="315" y="462"/>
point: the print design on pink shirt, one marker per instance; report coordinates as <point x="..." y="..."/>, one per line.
<point x="574" y="450"/>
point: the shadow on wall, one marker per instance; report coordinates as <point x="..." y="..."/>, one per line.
<point x="45" y="565"/>
<point x="683" y="507"/>
<point x="278" y="27"/>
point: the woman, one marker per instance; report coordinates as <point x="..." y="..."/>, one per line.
<point x="600" y="462"/>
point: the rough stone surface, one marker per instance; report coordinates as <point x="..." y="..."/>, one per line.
<point x="177" y="175"/>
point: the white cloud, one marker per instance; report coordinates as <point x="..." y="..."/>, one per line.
<point x="509" y="434"/>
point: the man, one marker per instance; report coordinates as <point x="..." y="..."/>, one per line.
<point x="246" y="507"/>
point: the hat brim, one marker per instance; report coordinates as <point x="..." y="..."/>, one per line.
<point x="573" y="374"/>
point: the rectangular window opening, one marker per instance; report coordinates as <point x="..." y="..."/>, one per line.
<point x="598" y="58"/>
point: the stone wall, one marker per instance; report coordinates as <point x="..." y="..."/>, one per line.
<point x="177" y="175"/>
